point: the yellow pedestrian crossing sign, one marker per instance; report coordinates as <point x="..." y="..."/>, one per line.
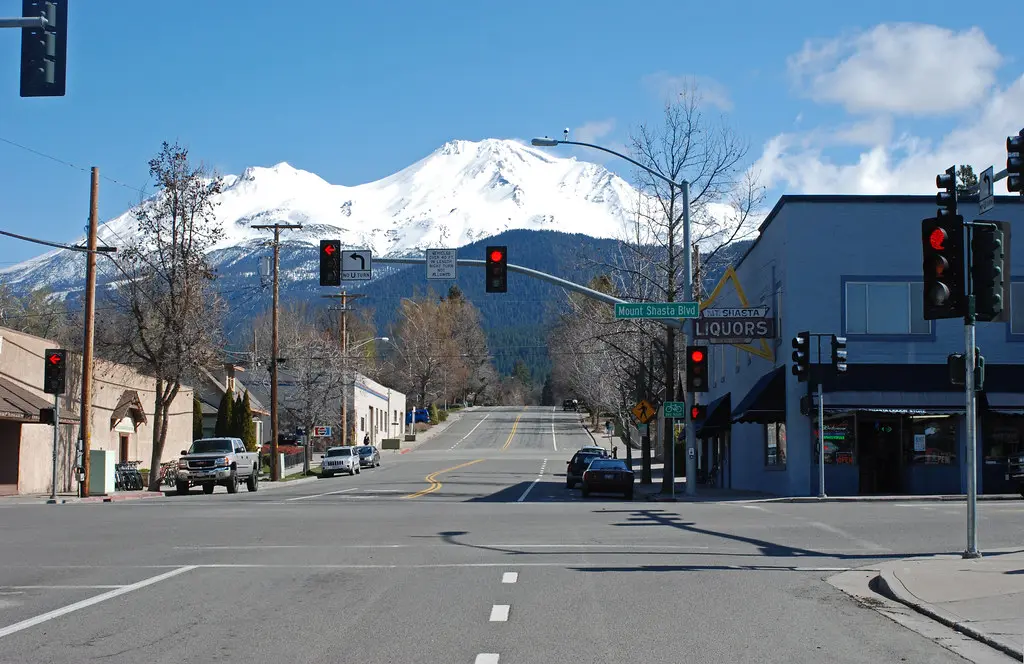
<point x="644" y="411"/>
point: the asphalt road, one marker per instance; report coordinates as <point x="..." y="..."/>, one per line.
<point x="468" y="549"/>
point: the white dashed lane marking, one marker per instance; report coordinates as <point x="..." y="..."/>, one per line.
<point x="510" y="577"/>
<point x="486" y="658"/>
<point x="540" y="476"/>
<point x="499" y="612"/>
<point x="468" y="435"/>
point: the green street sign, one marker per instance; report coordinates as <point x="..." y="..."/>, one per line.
<point x="657" y="310"/>
<point x="675" y="409"/>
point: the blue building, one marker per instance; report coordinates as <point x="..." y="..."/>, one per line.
<point x="852" y="266"/>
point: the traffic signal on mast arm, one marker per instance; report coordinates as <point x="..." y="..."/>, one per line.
<point x="55" y="371"/>
<point x="696" y="368"/>
<point x="942" y="246"/>
<point x="497" y="270"/>
<point x="1015" y="163"/>
<point x="330" y="262"/>
<point x="44" y="50"/>
<point x="990" y="269"/>
<point x="802" y="356"/>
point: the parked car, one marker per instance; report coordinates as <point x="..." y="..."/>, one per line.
<point x="569" y="404"/>
<point x="422" y="415"/>
<point x="339" y="460"/>
<point x="212" y="461"/>
<point x="369" y="456"/>
<point x="575" y="466"/>
<point x="608" y="476"/>
<point x="1015" y="471"/>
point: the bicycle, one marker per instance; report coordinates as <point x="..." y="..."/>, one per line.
<point x="169" y="473"/>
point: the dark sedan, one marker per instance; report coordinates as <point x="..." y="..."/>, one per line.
<point x="608" y="476"/>
<point x="368" y="456"/>
<point x="575" y="466"/>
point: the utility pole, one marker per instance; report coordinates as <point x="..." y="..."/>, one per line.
<point x="275" y="470"/>
<point x="345" y="296"/>
<point x="85" y="423"/>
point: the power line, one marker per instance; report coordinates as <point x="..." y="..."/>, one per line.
<point x="138" y="190"/>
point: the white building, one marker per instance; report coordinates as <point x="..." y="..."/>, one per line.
<point x="377" y="412"/>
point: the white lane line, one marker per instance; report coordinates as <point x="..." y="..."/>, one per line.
<point x="85" y="603"/>
<point x="320" y="495"/>
<point x="554" y="441"/>
<point x="510" y="577"/>
<point x="499" y="612"/>
<point x="863" y="543"/>
<point x="540" y="476"/>
<point x="107" y="587"/>
<point x="486" y="658"/>
<point x="470" y="432"/>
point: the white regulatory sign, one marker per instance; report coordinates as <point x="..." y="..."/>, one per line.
<point x="441" y="264"/>
<point x="986" y="191"/>
<point x="356" y="264"/>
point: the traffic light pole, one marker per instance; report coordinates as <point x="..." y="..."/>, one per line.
<point x="971" y="408"/>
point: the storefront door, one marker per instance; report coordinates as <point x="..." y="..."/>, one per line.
<point x="879" y="443"/>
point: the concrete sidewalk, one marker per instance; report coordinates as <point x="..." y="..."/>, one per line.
<point x="982" y="598"/>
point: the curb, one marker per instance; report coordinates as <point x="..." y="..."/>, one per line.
<point x="890" y="586"/>
<point x="116" y="498"/>
<point x="888" y="499"/>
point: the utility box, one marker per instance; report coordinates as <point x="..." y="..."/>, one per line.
<point x="101" y="472"/>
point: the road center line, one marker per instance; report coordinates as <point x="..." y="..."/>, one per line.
<point x="486" y="658"/>
<point x="511" y="435"/>
<point x="470" y="432"/>
<point x="510" y="577"/>
<point x="320" y="495"/>
<point x="85" y="603"/>
<point x="540" y="475"/>
<point x="499" y="612"/>
<point x="432" y="479"/>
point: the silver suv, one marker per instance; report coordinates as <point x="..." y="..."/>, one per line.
<point x="339" y="460"/>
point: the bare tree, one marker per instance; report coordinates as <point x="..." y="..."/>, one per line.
<point x="168" y="319"/>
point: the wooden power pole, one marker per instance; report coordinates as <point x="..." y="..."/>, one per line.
<point x="85" y="423"/>
<point x="275" y="470"/>
<point x="345" y="297"/>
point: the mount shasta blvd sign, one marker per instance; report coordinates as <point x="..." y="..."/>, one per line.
<point x="657" y="310"/>
<point x="735" y="325"/>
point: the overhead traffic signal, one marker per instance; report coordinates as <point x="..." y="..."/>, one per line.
<point x="990" y="270"/>
<point x="942" y="244"/>
<point x="330" y="262"/>
<point x="55" y="371"/>
<point x="44" y="50"/>
<point x="696" y="368"/>
<point x="1015" y="163"/>
<point x="698" y="412"/>
<point x="946" y="199"/>
<point x="839" y="353"/>
<point x="497" y="270"/>
<point x="802" y="356"/>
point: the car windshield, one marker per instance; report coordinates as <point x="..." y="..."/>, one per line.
<point x="585" y="458"/>
<point x="211" y="446"/>
<point x="608" y="464"/>
<point x="365" y="451"/>
<point x="339" y="452"/>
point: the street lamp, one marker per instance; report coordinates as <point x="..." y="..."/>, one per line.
<point x="670" y="339"/>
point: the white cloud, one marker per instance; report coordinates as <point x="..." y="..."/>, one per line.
<point x="593" y="131"/>
<point x="710" y="91"/>
<point x="901" y="68"/>
<point x="898" y="163"/>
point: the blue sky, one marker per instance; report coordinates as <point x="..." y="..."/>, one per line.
<point x="357" y="90"/>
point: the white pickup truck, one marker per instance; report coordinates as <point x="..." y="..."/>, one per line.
<point x="213" y="461"/>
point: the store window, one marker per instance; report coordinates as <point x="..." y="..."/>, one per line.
<point x="1017" y="307"/>
<point x="775" y="444"/>
<point x="885" y="308"/>
<point x="931" y="440"/>
<point x="840" y="440"/>
<point x="1002" y="437"/>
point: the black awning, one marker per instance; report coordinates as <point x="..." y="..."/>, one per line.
<point x="717" y="416"/>
<point x="766" y="401"/>
<point x="915" y="378"/>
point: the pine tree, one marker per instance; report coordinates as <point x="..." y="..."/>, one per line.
<point x="248" y="434"/>
<point x="433" y="414"/>
<point x="197" y="418"/>
<point x="225" y="417"/>
<point x="237" y="418"/>
<point x="547" y="395"/>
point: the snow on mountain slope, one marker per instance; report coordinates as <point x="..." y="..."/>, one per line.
<point x="462" y="192"/>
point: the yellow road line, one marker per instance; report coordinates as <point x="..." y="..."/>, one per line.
<point x="432" y="479"/>
<point x="511" y="435"/>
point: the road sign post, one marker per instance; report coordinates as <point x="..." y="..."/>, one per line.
<point x="441" y="264"/>
<point x="635" y="310"/>
<point x="356" y="265"/>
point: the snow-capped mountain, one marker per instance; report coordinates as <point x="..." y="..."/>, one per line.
<point x="463" y="192"/>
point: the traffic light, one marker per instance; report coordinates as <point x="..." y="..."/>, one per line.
<point x="990" y="268"/>
<point x="330" y="262"/>
<point x="55" y="372"/>
<point x="1015" y="163"/>
<point x="946" y="199"/>
<point x="497" y="270"/>
<point x="696" y="368"/>
<point x="698" y="412"/>
<point x="942" y="244"/>
<point x="839" y="353"/>
<point x="802" y="356"/>
<point x="44" y="50"/>
<point x="957" y="365"/>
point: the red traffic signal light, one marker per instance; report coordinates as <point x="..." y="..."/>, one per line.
<point x="696" y="369"/>
<point x="497" y="255"/>
<point x="54" y="371"/>
<point x="942" y="244"/>
<point x="697" y="355"/>
<point x="330" y="262"/>
<point x="698" y="412"/>
<point x="497" y="270"/>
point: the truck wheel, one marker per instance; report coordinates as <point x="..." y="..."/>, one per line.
<point x="208" y="487"/>
<point x="233" y="483"/>
<point x="182" y="488"/>
<point x="252" y="483"/>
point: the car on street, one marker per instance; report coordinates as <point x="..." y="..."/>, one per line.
<point x="339" y="460"/>
<point x="569" y="404"/>
<point x="421" y="415"/>
<point x="369" y="456"/>
<point x="212" y="461"/>
<point x="608" y="476"/>
<point x="578" y="464"/>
